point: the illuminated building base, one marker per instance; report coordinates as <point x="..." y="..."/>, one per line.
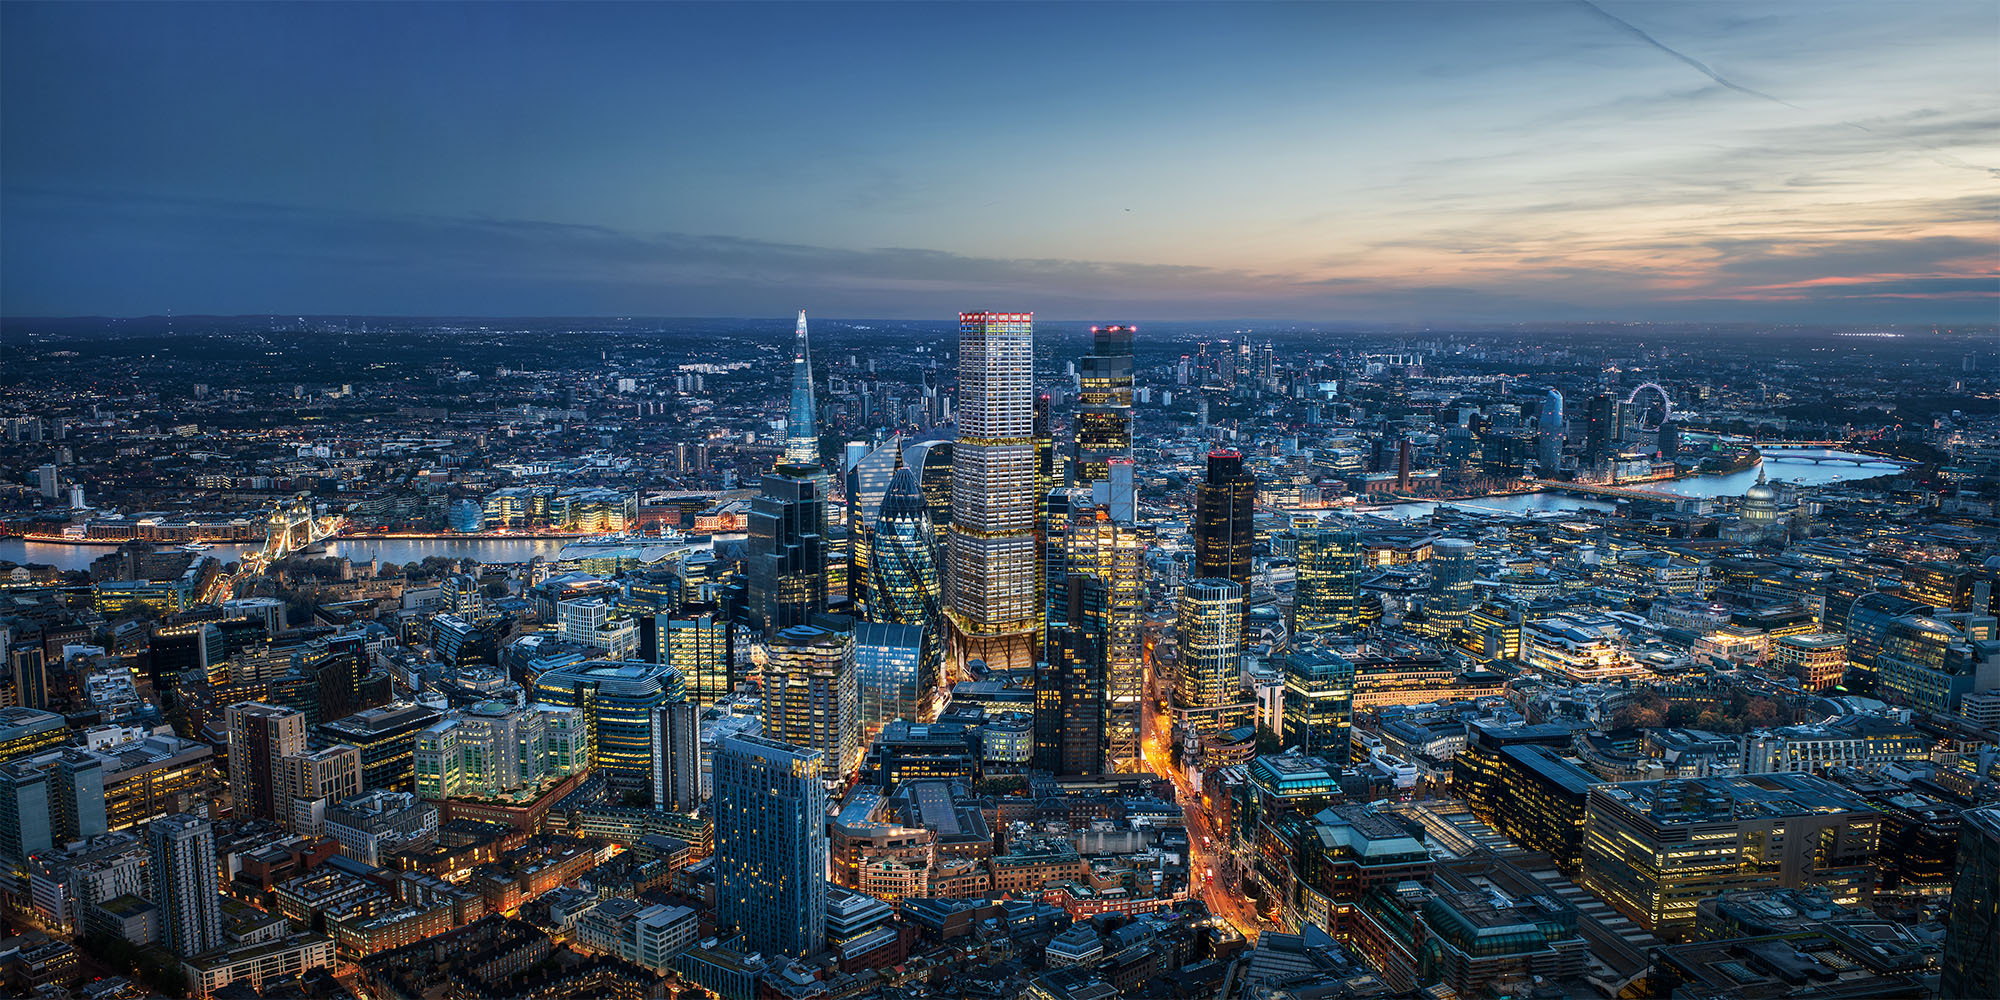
<point x="1001" y="652"/>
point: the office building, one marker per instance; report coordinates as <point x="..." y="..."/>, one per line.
<point x="1454" y="567"/>
<point x="1210" y="627"/>
<point x="371" y="826"/>
<point x="315" y="780"/>
<point x="1867" y="620"/>
<point x="1318" y="716"/>
<point x="386" y="738"/>
<point x="1094" y="545"/>
<point x="905" y="587"/>
<point x="25" y="826"/>
<point x="1328" y="593"/>
<point x="1655" y="849"/>
<point x="26" y="730"/>
<point x="695" y="642"/>
<point x="812" y="696"/>
<point x="1070" y="702"/>
<point x="27" y="662"/>
<point x="260" y="736"/>
<point x="785" y="568"/>
<point x="1104" y="403"/>
<point x="617" y="701"/>
<point x="494" y="750"/>
<point x="1818" y="660"/>
<point x="771" y="846"/>
<point x="182" y="848"/>
<point x="1931" y="662"/>
<point x="1224" y="531"/>
<point x="677" y="757"/>
<point x="1972" y="928"/>
<point x="996" y="600"/>
<point x="802" y="425"/>
<point x="869" y="478"/>
<point x="891" y="674"/>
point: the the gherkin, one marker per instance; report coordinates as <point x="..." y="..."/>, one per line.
<point x="904" y="587"/>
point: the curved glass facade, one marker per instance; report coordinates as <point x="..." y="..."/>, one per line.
<point x="904" y="584"/>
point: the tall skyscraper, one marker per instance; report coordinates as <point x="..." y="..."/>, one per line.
<point x="802" y="427"/>
<point x="260" y="736"/>
<point x="996" y="604"/>
<point x="1070" y="696"/>
<point x="1210" y="625"/>
<point x="1971" y="955"/>
<point x="812" y="697"/>
<point x="1224" y="532"/>
<point x="1600" y="432"/>
<point x="1319" y="703"/>
<point x="1328" y="593"/>
<point x="770" y="845"/>
<point x="1104" y="397"/>
<point x="1111" y="554"/>
<point x="184" y="883"/>
<point x="677" y="757"/>
<point x="786" y="562"/>
<point x="905" y="587"/>
<point x="868" y="481"/>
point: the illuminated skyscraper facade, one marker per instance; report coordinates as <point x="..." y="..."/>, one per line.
<point x="996" y="604"/>
<point x="890" y="676"/>
<point x="802" y="426"/>
<point x="1210" y="624"/>
<point x="786" y="566"/>
<point x="812" y="697"/>
<point x="1224" y="531"/>
<point x="1319" y="704"/>
<point x="695" y="642"/>
<point x="1104" y="397"/>
<point x="1111" y="554"/>
<point x="770" y="845"/>
<point x="905" y="587"/>
<point x="868" y="481"/>
<point x="1328" y="594"/>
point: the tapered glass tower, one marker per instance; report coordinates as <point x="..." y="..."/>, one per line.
<point x="802" y="427"/>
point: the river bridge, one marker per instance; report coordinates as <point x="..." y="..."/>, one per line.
<point x="291" y="528"/>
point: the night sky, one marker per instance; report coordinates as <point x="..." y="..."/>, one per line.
<point x="1792" y="162"/>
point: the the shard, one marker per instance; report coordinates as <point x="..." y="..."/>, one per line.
<point x="802" y="428"/>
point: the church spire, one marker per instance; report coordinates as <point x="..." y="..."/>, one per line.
<point x="802" y="428"/>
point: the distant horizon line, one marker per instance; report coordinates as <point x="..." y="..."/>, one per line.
<point x="949" y="319"/>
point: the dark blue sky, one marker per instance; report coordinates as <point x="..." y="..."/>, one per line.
<point x="1325" y="162"/>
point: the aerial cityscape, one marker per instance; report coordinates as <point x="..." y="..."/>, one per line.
<point x="1202" y="582"/>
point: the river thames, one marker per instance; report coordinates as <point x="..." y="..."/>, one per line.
<point x="1777" y="466"/>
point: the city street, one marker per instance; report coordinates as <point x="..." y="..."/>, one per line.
<point x="1206" y="854"/>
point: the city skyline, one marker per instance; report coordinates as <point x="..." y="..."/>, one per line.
<point x="1347" y="162"/>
